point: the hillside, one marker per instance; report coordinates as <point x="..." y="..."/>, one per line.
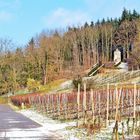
<point x="114" y="77"/>
<point x="95" y="113"/>
<point x="65" y="55"/>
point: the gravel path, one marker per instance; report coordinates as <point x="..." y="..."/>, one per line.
<point x="15" y="126"/>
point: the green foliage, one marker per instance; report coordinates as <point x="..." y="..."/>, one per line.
<point x="33" y="85"/>
<point x="127" y="15"/>
<point x="22" y="91"/>
<point x="51" y="86"/>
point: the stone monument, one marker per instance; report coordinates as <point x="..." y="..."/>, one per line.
<point x="117" y="56"/>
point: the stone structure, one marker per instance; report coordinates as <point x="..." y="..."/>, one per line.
<point x="117" y="56"/>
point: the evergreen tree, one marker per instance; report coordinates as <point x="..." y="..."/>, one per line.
<point x="86" y="25"/>
<point x="92" y="24"/>
<point x="125" y="15"/>
<point x="135" y="15"/>
<point x="103" y="21"/>
<point x="98" y="22"/>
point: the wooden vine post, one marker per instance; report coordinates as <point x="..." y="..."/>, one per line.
<point x="78" y="104"/>
<point x="135" y="92"/>
<point x="99" y="105"/>
<point x="116" y="115"/>
<point x="118" y="96"/>
<point x="52" y="102"/>
<point x="107" y="114"/>
<point x="117" y="102"/>
<point x="48" y="102"/>
<point x="134" y="115"/>
<point x="65" y="107"/>
<point x="84" y="105"/>
<point x="58" y="105"/>
<point x="92" y="104"/>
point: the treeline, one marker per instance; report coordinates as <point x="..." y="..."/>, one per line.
<point x="54" y="55"/>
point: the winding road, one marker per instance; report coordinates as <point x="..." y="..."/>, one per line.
<point x="15" y="126"/>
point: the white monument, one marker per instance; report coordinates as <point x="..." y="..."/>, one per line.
<point x="117" y="56"/>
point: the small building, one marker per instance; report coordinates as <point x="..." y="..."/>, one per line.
<point x="117" y="56"/>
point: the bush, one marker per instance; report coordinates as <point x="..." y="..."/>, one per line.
<point x="33" y="85"/>
<point x="77" y="81"/>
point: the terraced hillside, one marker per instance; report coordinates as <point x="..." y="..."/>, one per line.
<point x="113" y="76"/>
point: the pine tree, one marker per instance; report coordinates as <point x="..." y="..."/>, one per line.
<point x="86" y="25"/>
<point x="135" y="15"/>
<point x="125" y="15"/>
<point x="92" y="24"/>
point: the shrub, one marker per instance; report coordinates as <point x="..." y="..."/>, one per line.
<point x="77" y="81"/>
<point x="33" y="85"/>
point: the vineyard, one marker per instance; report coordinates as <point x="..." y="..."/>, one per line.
<point x="92" y="109"/>
<point x="114" y="77"/>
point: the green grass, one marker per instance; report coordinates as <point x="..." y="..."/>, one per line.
<point x="22" y="91"/>
<point x="51" y="86"/>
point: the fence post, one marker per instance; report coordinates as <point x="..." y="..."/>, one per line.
<point x="135" y="92"/>
<point x="78" y="104"/>
<point x="58" y="105"/>
<point x="48" y="102"/>
<point x="134" y="115"/>
<point x="84" y="104"/>
<point x="116" y="92"/>
<point x="116" y="115"/>
<point x="99" y="105"/>
<point x="92" y="104"/>
<point x="107" y="115"/>
<point x="52" y="101"/>
<point x="65" y="106"/>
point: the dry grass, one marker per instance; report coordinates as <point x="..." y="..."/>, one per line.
<point x="51" y="86"/>
<point x="3" y="100"/>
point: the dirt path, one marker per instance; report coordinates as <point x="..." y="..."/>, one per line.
<point x="15" y="126"/>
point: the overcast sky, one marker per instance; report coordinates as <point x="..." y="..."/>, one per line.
<point x="22" y="19"/>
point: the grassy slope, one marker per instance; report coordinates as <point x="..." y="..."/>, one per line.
<point x="50" y="87"/>
<point x="105" y="76"/>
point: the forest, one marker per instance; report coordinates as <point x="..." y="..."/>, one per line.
<point x="59" y="54"/>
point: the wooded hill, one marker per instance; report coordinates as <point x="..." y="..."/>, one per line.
<point x="66" y="54"/>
